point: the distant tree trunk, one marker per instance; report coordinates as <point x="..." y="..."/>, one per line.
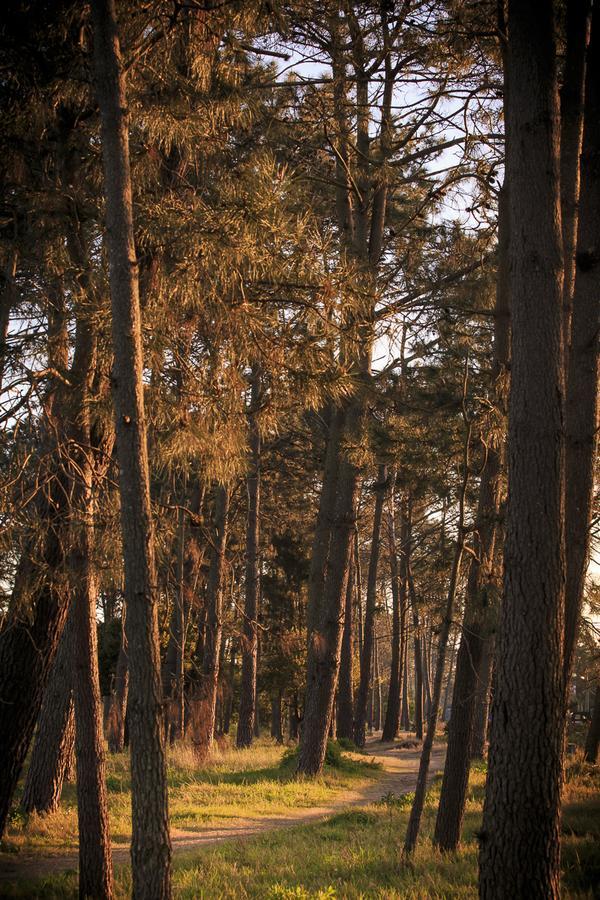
<point x="519" y="855"/>
<point x="448" y="680"/>
<point x="592" y="740"/>
<point x="345" y="694"/>
<point x="471" y="684"/>
<point x="481" y="713"/>
<point x="414" y="822"/>
<point x="418" y="661"/>
<point x="245" y="731"/>
<point x="276" y="731"/>
<point x="229" y="699"/>
<point x="582" y="361"/>
<point x="362" y="697"/>
<point x="294" y="717"/>
<point x="118" y="708"/>
<point x="204" y="724"/>
<point x="55" y="736"/>
<point x="398" y="580"/>
<point x="173" y="667"/>
<point x="150" y="845"/>
<point x="377" y="700"/>
<point x="358" y="587"/>
<point x="405" y="714"/>
<point x="425" y="668"/>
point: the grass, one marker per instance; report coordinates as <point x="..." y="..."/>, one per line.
<point x="231" y="785"/>
<point x="356" y="855"/>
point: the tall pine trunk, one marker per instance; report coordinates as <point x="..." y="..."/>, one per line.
<point x="345" y="693"/>
<point x="245" y="731"/>
<point x="360" y="712"/>
<point x="150" y="844"/>
<point x="519" y="855"/>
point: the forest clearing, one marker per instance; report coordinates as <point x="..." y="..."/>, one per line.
<point x="299" y="495"/>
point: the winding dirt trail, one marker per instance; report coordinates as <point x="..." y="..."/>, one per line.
<point x="399" y="777"/>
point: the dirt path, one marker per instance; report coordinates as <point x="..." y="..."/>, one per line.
<point x="400" y="776"/>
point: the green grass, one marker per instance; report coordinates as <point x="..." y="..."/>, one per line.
<point x="231" y="785"/>
<point x="356" y="855"/>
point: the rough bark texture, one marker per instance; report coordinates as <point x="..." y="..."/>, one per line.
<point x="582" y="361"/>
<point x="519" y="855"/>
<point x="362" y="696"/>
<point x="150" y="844"/>
<point x="55" y="736"/>
<point x="245" y="731"/>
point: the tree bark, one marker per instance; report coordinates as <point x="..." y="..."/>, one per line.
<point x="345" y="693"/>
<point x="245" y="731"/>
<point x="118" y="702"/>
<point x="582" y="362"/>
<point x="150" y="845"/>
<point x="414" y="822"/>
<point x="55" y="736"/>
<point x="360" y="712"/>
<point x="398" y="580"/>
<point x="204" y="721"/>
<point x="481" y="713"/>
<point x="480" y="613"/>
<point x="519" y="855"/>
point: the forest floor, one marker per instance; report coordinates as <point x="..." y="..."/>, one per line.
<point x="349" y="847"/>
<point x="235" y="796"/>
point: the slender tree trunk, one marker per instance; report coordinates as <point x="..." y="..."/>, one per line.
<point x="245" y="731"/>
<point x="418" y="663"/>
<point x="519" y="855"/>
<point x="582" y="361"/>
<point x="398" y="580"/>
<point x="414" y="822"/>
<point x="150" y="845"/>
<point x="55" y="736"/>
<point x="95" y="858"/>
<point x="571" y="133"/>
<point x="345" y="694"/>
<point x="118" y="707"/>
<point x="377" y="700"/>
<point x="276" y="731"/>
<point x="360" y="713"/>
<point x="592" y="740"/>
<point x="481" y="713"/>
<point x="471" y="686"/>
<point x="204" y="725"/>
<point x="405" y="714"/>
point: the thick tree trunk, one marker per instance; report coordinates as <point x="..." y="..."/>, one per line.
<point x="150" y="845"/>
<point x="325" y="635"/>
<point x="345" y="692"/>
<point x="362" y="696"/>
<point x="592" y="740"/>
<point x="206" y="704"/>
<point x="519" y="855"/>
<point x="582" y="361"/>
<point x="245" y="731"/>
<point x="55" y="737"/>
